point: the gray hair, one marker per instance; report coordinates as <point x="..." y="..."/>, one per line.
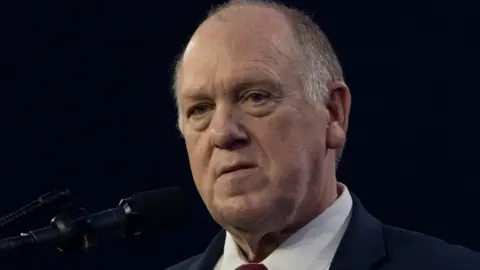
<point x="317" y="61"/>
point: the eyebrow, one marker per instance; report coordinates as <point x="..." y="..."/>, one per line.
<point x="263" y="82"/>
<point x="194" y="94"/>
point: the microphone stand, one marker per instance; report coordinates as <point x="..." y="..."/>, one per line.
<point x="56" y="200"/>
<point x="69" y="231"/>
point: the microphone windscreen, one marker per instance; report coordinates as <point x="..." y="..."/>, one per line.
<point x="159" y="209"/>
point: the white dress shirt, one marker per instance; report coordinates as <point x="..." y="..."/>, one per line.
<point x="310" y="248"/>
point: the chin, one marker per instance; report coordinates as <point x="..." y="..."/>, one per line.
<point x="245" y="221"/>
<point x="249" y="213"/>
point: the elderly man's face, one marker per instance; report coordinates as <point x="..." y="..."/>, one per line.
<point x="256" y="146"/>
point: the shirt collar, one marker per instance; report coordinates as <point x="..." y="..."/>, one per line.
<point x="315" y="242"/>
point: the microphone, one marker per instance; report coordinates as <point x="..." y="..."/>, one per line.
<point x="56" y="199"/>
<point x="78" y="230"/>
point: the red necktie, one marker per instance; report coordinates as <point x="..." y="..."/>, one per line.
<point x="252" y="266"/>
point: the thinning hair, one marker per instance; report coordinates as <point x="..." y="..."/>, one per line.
<point x="316" y="61"/>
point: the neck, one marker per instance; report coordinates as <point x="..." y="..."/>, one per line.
<point x="258" y="246"/>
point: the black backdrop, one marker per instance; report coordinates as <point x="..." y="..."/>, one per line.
<point x="85" y="105"/>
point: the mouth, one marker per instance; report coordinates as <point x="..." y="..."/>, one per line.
<point x="236" y="167"/>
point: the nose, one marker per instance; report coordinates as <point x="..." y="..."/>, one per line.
<point x="226" y="130"/>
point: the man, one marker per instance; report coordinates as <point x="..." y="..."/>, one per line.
<point x="264" y="111"/>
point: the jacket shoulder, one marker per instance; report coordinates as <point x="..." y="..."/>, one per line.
<point x="415" y="247"/>
<point x="190" y="263"/>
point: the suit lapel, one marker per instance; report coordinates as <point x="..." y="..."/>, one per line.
<point x="211" y="256"/>
<point x="362" y="245"/>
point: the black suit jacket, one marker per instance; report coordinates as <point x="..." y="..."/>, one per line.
<point x="369" y="244"/>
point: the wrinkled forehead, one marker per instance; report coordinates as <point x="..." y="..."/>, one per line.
<point x="235" y="45"/>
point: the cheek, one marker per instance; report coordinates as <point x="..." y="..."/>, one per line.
<point x="199" y="158"/>
<point x="292" y="132"/>
<point x="195" y="149"/>
<point x="292" y="141"/>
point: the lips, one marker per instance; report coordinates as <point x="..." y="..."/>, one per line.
<point x="236" y="167"/>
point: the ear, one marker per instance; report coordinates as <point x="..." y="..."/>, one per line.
<point x="338" y="107"/>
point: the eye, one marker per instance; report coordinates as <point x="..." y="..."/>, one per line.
<point x="198" y="110"/>
<point x="256" y="97"/>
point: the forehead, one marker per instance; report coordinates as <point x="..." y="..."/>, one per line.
<point x="251" y="44"/>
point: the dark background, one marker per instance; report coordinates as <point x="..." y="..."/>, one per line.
<point x="85" y="105"/>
